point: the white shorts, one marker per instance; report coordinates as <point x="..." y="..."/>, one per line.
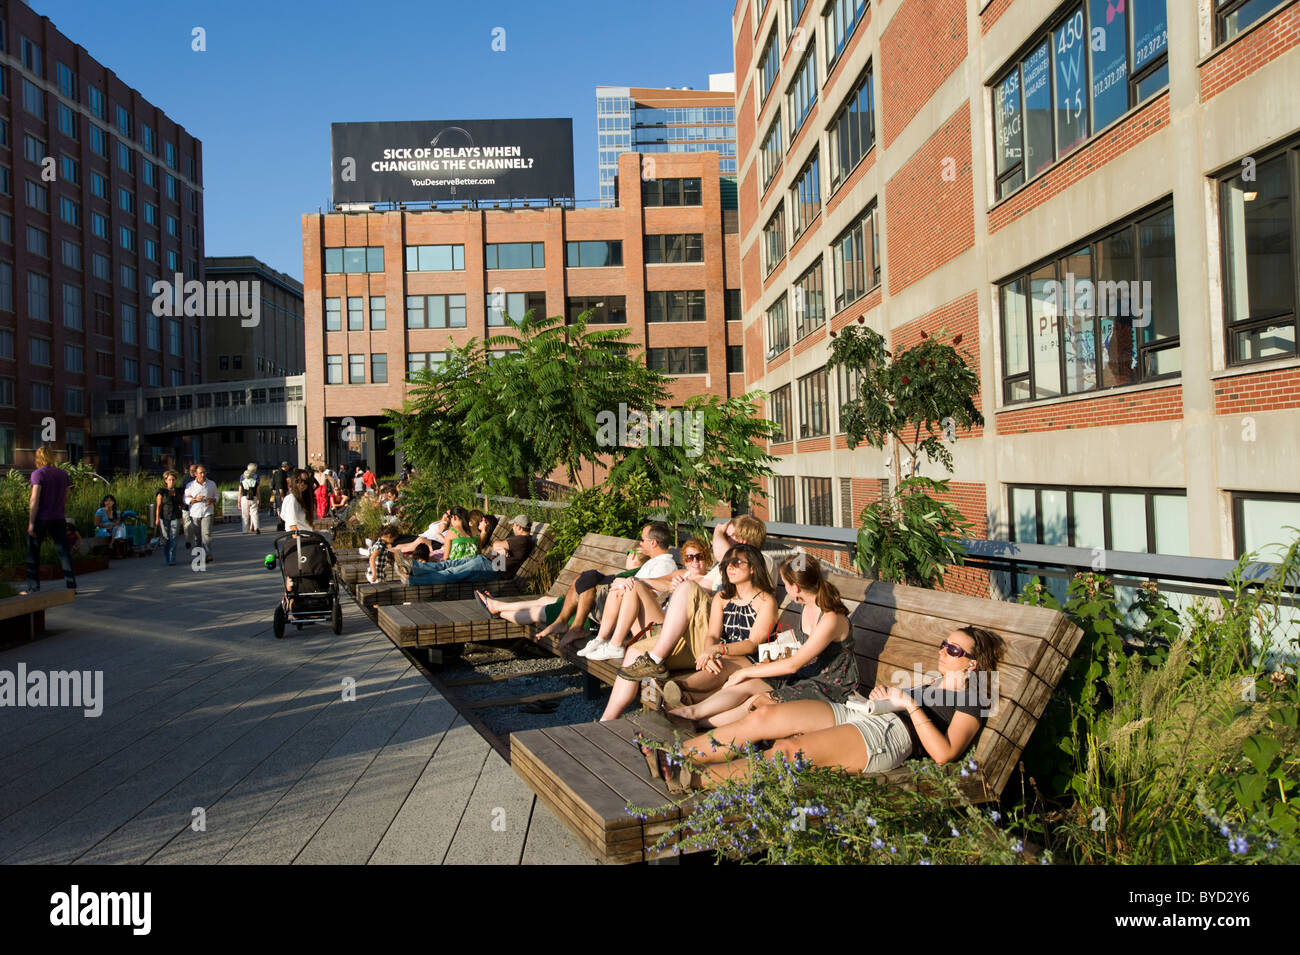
<point x="886" y="737"/>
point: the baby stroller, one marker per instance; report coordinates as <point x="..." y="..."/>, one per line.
<point x="137" y="534"/>
<point x="307" y="561"/>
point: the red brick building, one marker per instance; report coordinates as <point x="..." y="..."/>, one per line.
<point x="942" y="164"/>
<point x="101" y="195"/>
<point x="387" y="292"/>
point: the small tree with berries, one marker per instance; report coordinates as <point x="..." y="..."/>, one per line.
<point x="916" y="401"/>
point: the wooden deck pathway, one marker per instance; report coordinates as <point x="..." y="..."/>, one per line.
<point x="219" y="744"/>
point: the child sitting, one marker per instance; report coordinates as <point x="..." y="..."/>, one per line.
<point x="379" y="553"/>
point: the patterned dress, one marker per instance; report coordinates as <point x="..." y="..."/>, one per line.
<point x="831" y="678"/>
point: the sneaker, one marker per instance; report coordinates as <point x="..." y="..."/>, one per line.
<point x="607" y="651"/>
<point x="643" y="668"/>
<point x="370" y="577"/>
<point x="592" y="644"/>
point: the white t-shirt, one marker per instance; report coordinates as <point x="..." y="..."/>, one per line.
<point x="660" y="566"/>
<point x="434" y="532"/>
<point x="358" y="485"/>
<point x="196" y="496"/>
<point x="293" y="515"/>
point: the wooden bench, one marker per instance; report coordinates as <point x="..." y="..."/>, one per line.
<point x="445" y="622"/>
<point x="587" y="781"/>
<point x="33" y="607"/>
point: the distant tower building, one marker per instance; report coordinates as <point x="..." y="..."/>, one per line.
<point x="634" y="119"/>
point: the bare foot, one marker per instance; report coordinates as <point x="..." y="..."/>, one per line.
<point x="572" y="635"/>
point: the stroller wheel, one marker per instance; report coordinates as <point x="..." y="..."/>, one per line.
<point x="298" y="625"/>
<point x="278" y="623"/>
<point x="336" y="618"/>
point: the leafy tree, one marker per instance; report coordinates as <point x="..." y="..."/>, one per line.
<point x="431" y="423"/>
<point x="716" y="457"/>
<point x="909" y="537"/>
<point x="918" y="398"/>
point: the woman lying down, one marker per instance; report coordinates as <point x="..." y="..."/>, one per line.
<point x="940" y="720"/>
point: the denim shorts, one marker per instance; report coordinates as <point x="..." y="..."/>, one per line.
<point x="886" y="737"/>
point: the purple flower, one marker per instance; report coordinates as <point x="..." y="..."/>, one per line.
<point x="995" y="815"/>
<point x="955" y="833"/>
<point x="1225" y="831"/>
<point x="1237" y="845"/>
<point x="877" y="843"/>
<point x="871" y="822"/>
<point x="925" y="862"/>
<point x="1017" y="846"/>
<point x="965" y="772"/>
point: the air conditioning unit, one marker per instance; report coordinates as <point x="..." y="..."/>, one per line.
<point x="356" y="207"/>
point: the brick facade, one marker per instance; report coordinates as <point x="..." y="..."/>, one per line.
<point x="1258" y="48"/>
<point x="919" y="49"/>
<point x="1264" y="391"/>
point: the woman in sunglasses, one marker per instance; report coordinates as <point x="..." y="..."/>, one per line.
<point x="939" y="720"/>
<point x="741" y="615"/>
<point x="823" y="668"/>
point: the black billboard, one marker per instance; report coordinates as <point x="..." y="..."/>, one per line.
<point x="452" y="159"/>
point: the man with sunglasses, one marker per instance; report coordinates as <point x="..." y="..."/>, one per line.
<point x="608" y="643"/>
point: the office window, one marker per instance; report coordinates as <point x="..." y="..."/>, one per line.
<point x="153" y="331"/>
<point x="100" y="267"/>
<point x="150" y="253"/>
<point x="735" y="359"/>
<point x="778" y="411"/>
<point x="38" y="242"/>
<point x="604" y="309"/>
<point x="515" y="306"/>
<point x="174" y="337"/>
<point x="69" y="169"/>
<point x="131" y="370"/>
<point x="74" y="401"/>
<point x="333" y="369"/>
<point x="169" y="154"/>
<point x="435" y="311"/>
<point x="1044" y="105"/>
<point x="1260" y="222"/>
<point x="97" y="140"/>
<point x="38" y="351"/>
<point x="38" y="296"/>
<point x="174" y="227"/>
<point x="42" y="397"/>
<point x="855" y="261"/>
<point x="71" y="254"/>
<point x="1119" y="290"/>
<point x="679" y="361"/>
<point x="7" y="294"/>
<point x="38" y="197"/>
<point x="379" y="368"/>
<point x="853" y="130"/>
<point x="6" y="343"/>
<point x="127" y="238"/>
<point x="801" y="95"/>
<point x="69" y="210"/>
<point x="149" y="173"/>
<point x="1234" y="17"/>
<point x="593" y="255"/>
<point x="848" y="390"/>
<point x="809" y="304"/>
<point x="774" y="240"/>
<point x="34" y="150"/>
<point x="769" y="65"/>
<point x="67" y="121"/>
<point x="670" y="192"/>
<point x="356" y="313"/>
<point x="417" y="362"/>
<point x="356" y="369"/>
<point x="151" y="214"/>
<point x="783" y="500"/>
<point x="31" y="56"/>
<point x="124" y="121"/>
<point x="772" y="151"/>
<point x="688" y="247"/>
<point x="434" y="258"/>
<point x="514" y="255"/>
<point x="147" y="138"/>
<point x="354" y="259"/>
<point x="814" y="405"/>
<point x="223" y="363"/>
<point x="818" y="504"/>
<point x="378" y="313"/>
<point x="841" y="18"/>
<point x="172" y="191"/>
<point x="6" y="228"/>
<point x="731" y="307"/>
<point x="99" y="185"/>
<point x="130" y="325"/>
<point x="675" y="306"/>
<point x="778" y="328"/>
<point x="6" y="181"/>
<point x="805" y="198"/>
<point x="99" y="225"/>
<point x="173" y="261"/>
<point x="74" y="358"/>
<point x="125" y="159"/>
<point x="33" y="99"/>
<point x="95" y="100"/>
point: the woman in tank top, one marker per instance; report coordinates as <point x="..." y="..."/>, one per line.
<point x="824" y="667"/>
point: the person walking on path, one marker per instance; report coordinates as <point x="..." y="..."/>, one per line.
<point x="279" y="488"/>
<point x="169" y="506"/>
<point x="368" y="479"/>
<point x="201" y="497"/>
<point x="250" y="489"/>
<point x="45" y="518"/>
<point x="186" y="524"/>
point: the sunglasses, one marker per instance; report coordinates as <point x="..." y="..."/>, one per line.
<point x="736" y="562"/>
<point x="690" y="557"/>
<point x="955" y="651"/>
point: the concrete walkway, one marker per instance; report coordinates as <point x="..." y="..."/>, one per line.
<point x="218" y="743"/>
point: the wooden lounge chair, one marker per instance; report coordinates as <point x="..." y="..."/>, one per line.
<point x="587" y="774"/>
<point x="23" y="617"/>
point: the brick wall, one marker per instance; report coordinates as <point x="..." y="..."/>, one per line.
<point x="744" y="48"/>
<point x="745" y="137"/>
<point x="924" y="42"/>
<point x="992" y="13"/>
<point x="1148" y="120"/>
<point x="1162" y="404"/>
<point x="970" y="500"/>
<point x="958" y="317"/>
<point x="1237" y="61"/>
<point x="930" y="205"/>
<point x="1265" y="391"/>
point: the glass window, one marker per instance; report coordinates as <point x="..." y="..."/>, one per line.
<point x="778" y="411"/>
<point x="33" y="99"/>
<point x="772" y="151"/>
<point x="379" y="369"/>
<point x="809" y="304"/>
<point x="1259" y="217"/>
<point x="819" y="506"/>
<point x="774" y="240"/>
<point x="378" y="313"/>
<point x="670" y="192"/>
<point x="732" y="309"/>
<point x="802" y="93"/>
<point x="814" y="405"/>
<point x="38" y="296"/>
<point x="515" y="255"/>
<point x="778" y="328"/>
<point x="72" y="314"/>
<point x="356" y="313"/>
<point x="333" y="315"/>
<point x="769" y="65"/>
<point x="514" y="306"/>
<point x="679" y="361"/>
<point x="595" y="254"/>
<point x="841" y="17"/>
<point x="735" y="359"/>
<point x="1235" y="16"/>
<point x="333" y="370"/>
<point x="855" y="266"/>
<point x="603" y="309"/>
<point x="435" y="258"/>
<point x="853" y="130"/>
<point x="675" y="306"/>
<point x="805" y="198"/>
<point x="356" y="369"/>
<point x="435" y="311"/>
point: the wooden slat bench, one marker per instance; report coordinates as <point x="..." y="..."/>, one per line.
<point x="895" y="628"/>
<point x="438" y="623"/>
<point x="32" y="607"/>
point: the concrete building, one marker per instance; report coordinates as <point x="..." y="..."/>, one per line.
<point x="664" y="262"/>
<point x="101" y="195"/>
<point x="651" y="121"/>
<point x="941" y="164"/>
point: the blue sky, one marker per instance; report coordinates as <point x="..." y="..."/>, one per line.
<point x="276" y="73"/>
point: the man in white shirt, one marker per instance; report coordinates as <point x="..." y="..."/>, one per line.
<point x="201" y="499"/>
<point x="655" y="539"/>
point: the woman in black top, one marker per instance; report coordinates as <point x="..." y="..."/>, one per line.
<point x="939" y="720"/>
<point x="168" y="506"/>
